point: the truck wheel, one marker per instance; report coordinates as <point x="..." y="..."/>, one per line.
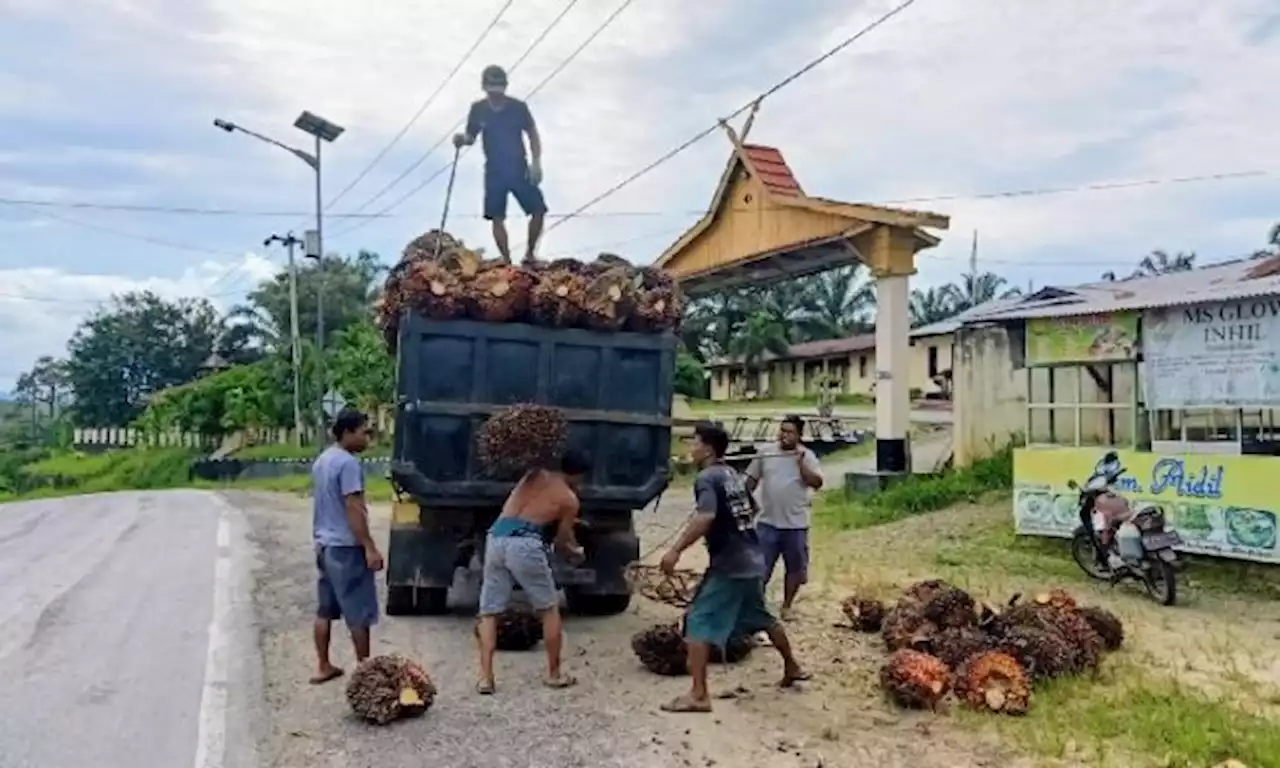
<point x="596" y="605"/>
<point x="423" y="601"/>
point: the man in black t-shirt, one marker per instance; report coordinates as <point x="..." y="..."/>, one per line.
<point x="730" y="597"/>
<point x="503" y="121"/>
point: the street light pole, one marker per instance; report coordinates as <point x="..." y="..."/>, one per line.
<point x="295" y="341"/>
<point x="320" y="281"/>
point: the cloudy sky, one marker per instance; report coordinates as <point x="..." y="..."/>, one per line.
<point x="111" y="102"/>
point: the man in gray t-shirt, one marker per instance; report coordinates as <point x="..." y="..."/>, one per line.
<point x="346" y="555"/>
<point x="785" y="483"/>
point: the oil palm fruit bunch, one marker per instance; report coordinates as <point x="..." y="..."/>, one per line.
<point x="1106" y="624"/>
<point x="609" y="298"/>
<point x="865" y="614"/>
<point x="996" y="682"/>
<point x="432" y="290"/>
<point x="949" y="607"/>
<point x="956" y="645"/>
<point x="558" y="296"/>
<point x="659" y="303"/>
<point x="519" y="629"/>
<point x="387" y="688"/>
<point x="1043" y="654"/>
<point x="661" y="650"/>
<point x="1086" y="644"/>
<point x="500" y="293"/>
<point x="923" y="591"/>
<point x="737" y="649"/>
<point x="914" y="679"/>
<point x="521" y="437"/>
<point x="1057" y="598"/>
<point x="430" y="245"/>
<point x="905" y="626"/>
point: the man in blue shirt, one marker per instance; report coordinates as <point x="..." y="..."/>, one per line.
<point x="503" y="122"/>
<point x="730" y="598"/>
<point x="346" y="555"/>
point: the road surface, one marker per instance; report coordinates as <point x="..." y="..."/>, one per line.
<point x="126" y="635"/>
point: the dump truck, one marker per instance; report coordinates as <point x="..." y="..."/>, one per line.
<point x="615" y="390"/>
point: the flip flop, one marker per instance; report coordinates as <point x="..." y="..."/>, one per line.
<point x="684" y="704"/>
<point x="485" y="688"/>
<point x="324" y="677"/>
<point x="563" y="681"/>
<point x="799" y="677"/>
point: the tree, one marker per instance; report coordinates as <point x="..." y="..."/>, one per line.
<point x="837" y="304"/>
<point x="1273" y="237"/>
<point x="932" y="305"/>
<point x="690" y="378"/>
<point x="975" y="289"/>
<point x="1161" y="263"/>
<point x="360" y="367"/>
<point x="349" y="289"/>
<point x="763" y="333"/>
<point x="138" y="345"/>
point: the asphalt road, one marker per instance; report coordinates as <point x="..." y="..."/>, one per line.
<point x="126" y="634"/>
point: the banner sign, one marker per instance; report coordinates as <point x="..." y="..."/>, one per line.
<point x="1082" y="339"/>
<point x="1207" y="355"/>
<point x="1220" y="505"/>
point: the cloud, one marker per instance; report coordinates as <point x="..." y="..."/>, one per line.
<point x="948" y="98"/>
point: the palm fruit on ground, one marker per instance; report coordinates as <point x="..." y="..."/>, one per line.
<point x="1044" y="654"/>
<point x="865" y="614"/>
<point x="1106" y="624"/>
<point x="661" y="650"/>
<point x="904" y="626"/>
<point x="518" y="629"/>
<point x="996" y="682"/>
<point x="915" y="679"/>
<point x="1057" y="598"/>
<point x="1086" y="645"/>
<point x="956" y="645"/>
<point x="737" y="649"/>
<point x="557" y="298"/>
<point x="923" y="591"/>
<point x="519" y="438"/>
<point x="387" y="688"/>
<point x="500" y="294"/>
<point x="950" y="607"/>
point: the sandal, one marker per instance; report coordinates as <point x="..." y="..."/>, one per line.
<point x="485" y="687"/>
<point x="562" y="681"/>
<point x="682" y="704"/>
<point x="333" y="673"/>
<point x="790" y="679"/>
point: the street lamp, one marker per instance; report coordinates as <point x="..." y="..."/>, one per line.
<point x="322" y="130"/>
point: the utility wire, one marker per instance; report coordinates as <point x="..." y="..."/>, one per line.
<point x="425" y="105"/>
<point x="537" y="41"/>
<point x="441" y="171"/>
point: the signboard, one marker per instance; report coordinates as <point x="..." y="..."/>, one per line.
<point x="1220" y="505"/>
<point x="333" y="403"/>
<point x="1225" y="354"/>
<point x="1082" y="339"/>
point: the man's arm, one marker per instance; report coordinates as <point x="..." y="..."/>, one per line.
<point x="474" y="124"/>
<point x="698" y="526"/>
<point x="810" y="470"/>
<point x="535" y="140"/>
<point x="351" y="484"/>
<point x="566" y="541"/>
<point x="754" y="470"/>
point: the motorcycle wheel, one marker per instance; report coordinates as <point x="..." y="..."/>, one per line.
<point x="1161" y="582"/>
<point x="1085" y="555"/>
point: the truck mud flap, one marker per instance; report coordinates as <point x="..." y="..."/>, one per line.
<point x="609" y="554"/>
<point x="416" y="557"/>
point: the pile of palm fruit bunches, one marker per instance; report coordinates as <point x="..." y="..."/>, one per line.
<point x="441" y="278"/>
<point x="940" y="640"/>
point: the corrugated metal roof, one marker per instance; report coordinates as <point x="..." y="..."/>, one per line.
<point x="772" y="169"/>
<point x="812" y="349"/>
<point x="952" y="324"/>
<point x="1228" y="281"/>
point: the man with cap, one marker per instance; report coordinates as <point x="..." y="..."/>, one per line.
<point x="503" y="121"/>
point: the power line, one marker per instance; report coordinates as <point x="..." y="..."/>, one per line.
<point x="753" y="102"/>
<point x="425" y="105"/>
<point x="439" y="172"/>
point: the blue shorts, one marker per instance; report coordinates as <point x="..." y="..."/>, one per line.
<point x="511" y="561"/>
<point x="345" y="588"/>
<point x="725" y="607"/>
<point x="497" y="185"/>
<point x="791" y="544"/>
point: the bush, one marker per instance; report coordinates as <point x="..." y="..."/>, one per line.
<point x="124" y="469"/>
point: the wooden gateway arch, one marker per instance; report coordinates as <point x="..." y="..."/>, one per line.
<point x="761" y="228"/>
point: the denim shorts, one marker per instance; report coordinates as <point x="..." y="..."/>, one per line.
<point x="791" y="544"/>
<point x="511" y="561"/>
<point x="346" y="587"/>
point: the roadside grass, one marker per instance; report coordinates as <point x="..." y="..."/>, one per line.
<point x="377" y="488"/>
<point x="300" y="452"/>
<point x="70" y="473"/>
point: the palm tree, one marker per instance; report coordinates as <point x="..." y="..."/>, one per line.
<point x="762" y="333"/>
<point x="1273" y="237"/>
<point x="975" y="289"/>
<point x="837" y="304"/>
<point x="932" y="305"/>
<point x="1161" y="263"/>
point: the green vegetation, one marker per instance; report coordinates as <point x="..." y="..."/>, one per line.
<point x="133" y="468"/>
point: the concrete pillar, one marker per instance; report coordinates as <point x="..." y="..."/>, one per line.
<point x="893" y="384"/>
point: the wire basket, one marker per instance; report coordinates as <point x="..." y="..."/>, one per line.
<point x="677" y="589"/>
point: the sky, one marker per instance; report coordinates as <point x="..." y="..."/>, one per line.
<point x="111" y="102"/>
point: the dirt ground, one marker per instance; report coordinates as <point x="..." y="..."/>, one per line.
<point x="1223" y="645"/>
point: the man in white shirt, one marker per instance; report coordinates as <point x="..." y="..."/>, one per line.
<point x="785" y="483"/>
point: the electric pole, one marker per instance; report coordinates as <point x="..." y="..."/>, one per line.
<point x="973" y="258"/>
<point x="295" y="342"/>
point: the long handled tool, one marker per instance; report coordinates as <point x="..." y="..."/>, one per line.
<point x="448" y="195"/>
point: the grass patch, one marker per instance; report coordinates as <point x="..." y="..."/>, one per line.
<point x="126" y="469"/>
<point x="1126" y="716"/>
<point x="376" y="488"/>
<point x="915" y="495"/>
<point x="298" y="452"/>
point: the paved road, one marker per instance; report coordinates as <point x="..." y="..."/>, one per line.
<point x="125" y="633"/>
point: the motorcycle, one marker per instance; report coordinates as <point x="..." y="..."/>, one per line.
<point x="1117" y="540"/>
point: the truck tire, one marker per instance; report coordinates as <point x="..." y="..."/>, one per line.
<point x="584" y="604"/>
<point x="420" y="601"/>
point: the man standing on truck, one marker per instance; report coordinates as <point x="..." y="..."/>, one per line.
<point x="503" y="121"/>
<point x="785" y="483"/>
<point x="346" y="555"/>
<point x="540" y="513"/>
<point x="730" y="598"/>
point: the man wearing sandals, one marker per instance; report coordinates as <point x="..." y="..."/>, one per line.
<point x="730" y="598"/>
<point x="540" y="513"/>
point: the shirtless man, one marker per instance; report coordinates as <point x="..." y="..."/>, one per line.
<point x="540" y="513"/>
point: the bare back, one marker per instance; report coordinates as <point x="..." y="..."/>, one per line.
<point x="540" y="497"/>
